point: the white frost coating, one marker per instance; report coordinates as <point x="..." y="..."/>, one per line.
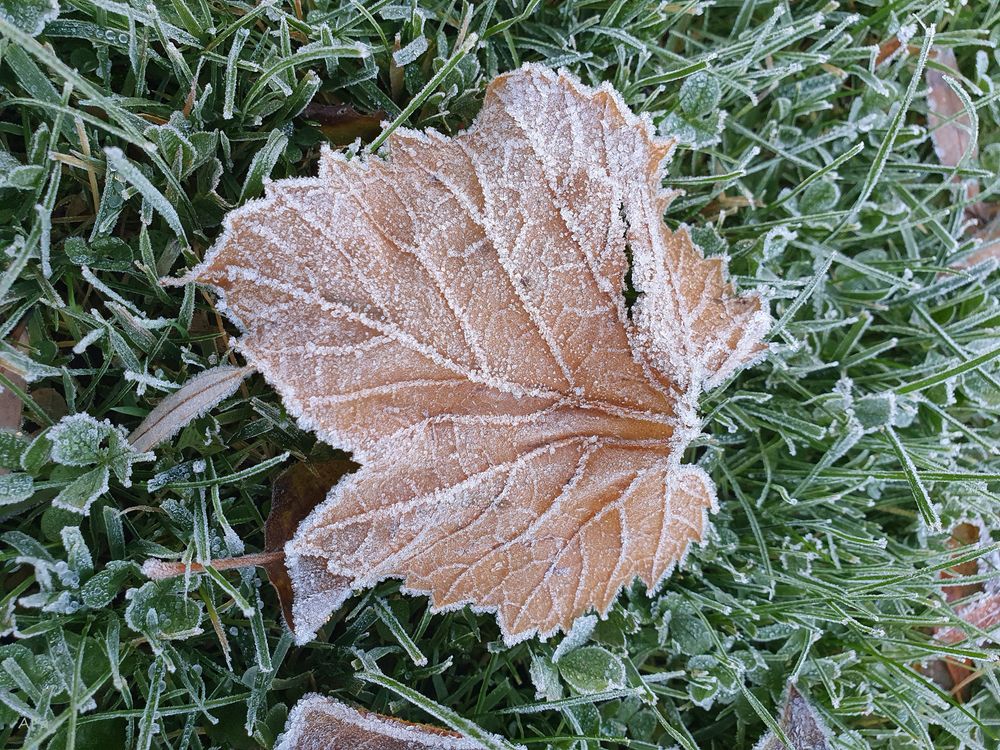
<point x="81" y="346"/>
<point x="410" y="52"/>
<point x="454" y="316"/>
<point x="76" y="439"/>
<point x="319" y="723"/>
<point x="199" y="394"/>
<point x="576" y="637"/>
<point x="30" y="16"/>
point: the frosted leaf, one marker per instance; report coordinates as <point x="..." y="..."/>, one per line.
<point x="30" y="16"/>
<point x="161" y="610"/>
<point x="545" y="677"/>
<point x="876" y="410"/>
<point x="78" y="555"/>
<point x="14" y="174"/>
<point x="592" y="669"/>
<point x="23" y="366"/>
<point x="576" y="637"/>
<point x="454" y="315"/>
<point x="318" y="723"/>
<point x="76" y="440"/>
<point x="199" y="394"/>
<point x="700" y="94"/>
<point x="102" y="589"/>
<point x="15" y="487"/>
<point x="81" y="493"/>
<point x="177" y="473"/>
<point x="801" y="725"/>
<point x="81" y="440"/>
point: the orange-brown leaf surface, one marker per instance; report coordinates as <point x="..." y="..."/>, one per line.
<point x="454" y="315"/>
<point x="318" y="723"/>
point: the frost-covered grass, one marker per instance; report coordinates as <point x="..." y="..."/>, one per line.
<point x="128" y="130"/>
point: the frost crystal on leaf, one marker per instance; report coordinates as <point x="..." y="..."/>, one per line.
<point x="454" y="315"/>
<point x="318" y="723"/>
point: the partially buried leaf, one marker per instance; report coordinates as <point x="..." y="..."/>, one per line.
<point x="294" y="494"/>
<point x="947" y="119"/>
<point x="11" y="406"/>
<point x="342" y="124"/>
<point x="954" y="139"/>
<point x="454" y="315"/>
<point x="199" y="394"/>
<point x="983" y="613"/>
<point x="989" y="247"/>
<point x="801" y="725"/>
<point x="318" y="723"/>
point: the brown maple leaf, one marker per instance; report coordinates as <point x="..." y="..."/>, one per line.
<point x="454" y="315"/>
<point x="318" y="723"/>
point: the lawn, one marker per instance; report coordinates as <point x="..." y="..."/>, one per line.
<point x="856" y="464"/>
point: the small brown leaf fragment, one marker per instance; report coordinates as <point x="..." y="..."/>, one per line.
<point x="294" y="494"/>
<point x="318" y="723"/>
<point x="800" y="723"/>
<point x="342" y="123"/>
<point x="989" y="237"/>
<point x="947" y="120"/>
<point x="981" y="609"/>
<point x="982" y="613"/>
<point x="11" y="406"/>
<point x="962" y="535"/>
<point x="454" y="316"/>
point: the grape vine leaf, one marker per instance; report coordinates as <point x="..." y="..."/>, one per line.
<point x="455" y="315"/>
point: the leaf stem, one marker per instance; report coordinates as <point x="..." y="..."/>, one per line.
<point x="159" y="570"/>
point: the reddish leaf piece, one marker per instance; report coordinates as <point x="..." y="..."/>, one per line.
<point x="989" y="236"/>
<point x="949" y="123"/>
<point x="454" y="316"/>
<point x="952" y="136"/>
<point x="983" y="613"/>
<point x="801" y="725"/>
<point x="11" y="407"/>
<point x="318" y="723"/>
<point x="982" y="610"/>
